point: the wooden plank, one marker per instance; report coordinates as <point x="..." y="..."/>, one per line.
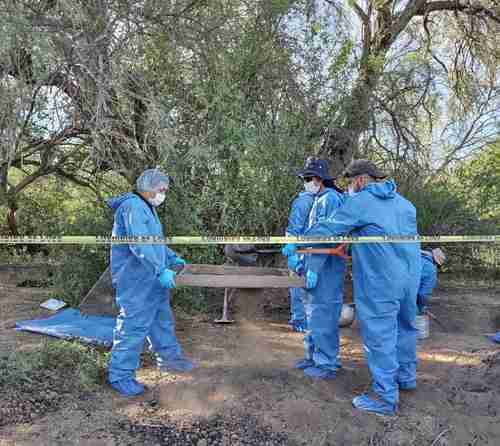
<point x="232" y="270"/>
<point x="239" y="281"/>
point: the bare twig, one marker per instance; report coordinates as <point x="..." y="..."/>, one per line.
<point x="439" y="436"/>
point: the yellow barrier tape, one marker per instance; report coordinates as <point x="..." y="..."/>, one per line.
<point x="238" y="240"/>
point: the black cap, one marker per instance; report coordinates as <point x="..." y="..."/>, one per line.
<point x="316" y="168"/>
<point x="363" y="167"/>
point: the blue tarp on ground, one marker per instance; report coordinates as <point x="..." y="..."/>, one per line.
<point x="496" y="338"/>
<point x="71" y="324"/>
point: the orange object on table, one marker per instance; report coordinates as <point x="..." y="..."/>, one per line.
<point x="340" y="251"/>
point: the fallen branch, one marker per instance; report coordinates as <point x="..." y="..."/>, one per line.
<point x="439" y="436"/>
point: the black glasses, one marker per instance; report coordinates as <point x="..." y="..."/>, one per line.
<point x="307" y="179"/>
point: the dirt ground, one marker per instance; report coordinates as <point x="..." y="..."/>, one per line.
<point x="246" y="391"/>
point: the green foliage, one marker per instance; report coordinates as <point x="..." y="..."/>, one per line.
<point x="478" y="183"/>
<point x="61" y="366"/>
<point x="56" y="208"/>
<point x="441" y="210"/>
<point x="79" y="268"/>
<point x="33" y="383"/>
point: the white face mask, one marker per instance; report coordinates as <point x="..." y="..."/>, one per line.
<point x="353" y="188"/>
<point x="311" y="187"/>
<point x="158" y="199"/>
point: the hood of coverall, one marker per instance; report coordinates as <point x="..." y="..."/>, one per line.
<point x="115" y="202"/>
<point x="385" y="190"/>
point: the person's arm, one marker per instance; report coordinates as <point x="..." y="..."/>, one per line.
<point x="346" y="219"/>
<point x="299" y="214"/>
<point x="171" y="257"/>
<point x="349" y="217"/>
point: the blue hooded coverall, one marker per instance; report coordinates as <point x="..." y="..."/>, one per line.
<point x="323" y="303"/>
<point x="297" y="224"/>
<point x="145" y="311"/>
<point x="428" y="280"/>
<point x="386" y="279"/>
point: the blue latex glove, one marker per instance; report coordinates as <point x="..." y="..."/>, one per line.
<point x="289" y="250"/>
<point x="167" y="278"/>
<point x="311" y="279"/>
<point x="179" y="261"/>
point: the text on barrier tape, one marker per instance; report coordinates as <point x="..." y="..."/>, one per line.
<point x="238" y="240"/>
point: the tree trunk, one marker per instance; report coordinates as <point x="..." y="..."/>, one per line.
<point x="12" y="220"/>
<point x="342" y="137"/>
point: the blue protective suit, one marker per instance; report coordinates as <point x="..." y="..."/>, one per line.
<point x="145" y="311"/>
<point x="386" y="279"/>
<point x="297" y="224"/>
<point x="428" y="280"/>
<point x="324" y="301"/>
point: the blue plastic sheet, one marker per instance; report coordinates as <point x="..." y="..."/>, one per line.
<point x="496" y="338"/>
<point x="70" y="324"/>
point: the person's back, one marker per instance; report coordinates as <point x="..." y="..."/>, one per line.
<point x="384" y="212"/>
<point x="299" y="214"/>
<point x="431" y="261"/>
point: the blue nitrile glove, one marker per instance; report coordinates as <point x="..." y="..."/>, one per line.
<point x="179" y="261"/>
<point x="293" y="262"/>
<point x="311" y="279"/>
<point x="167" y="278"/>
<point x="300" y="268"/>
<point x="289" y="250"/>
<point x="296" y="264"/>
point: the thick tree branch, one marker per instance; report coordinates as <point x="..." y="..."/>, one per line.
<point x="361" y="14"/>
<point x="457" y="6"/>
<point x="402" y="21"/>
<point x="73" y="178"/>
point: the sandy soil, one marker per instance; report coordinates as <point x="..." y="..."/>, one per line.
<point x="246" y="387"/>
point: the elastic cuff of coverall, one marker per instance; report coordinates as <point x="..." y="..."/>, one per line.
<point x="159" y="270"/>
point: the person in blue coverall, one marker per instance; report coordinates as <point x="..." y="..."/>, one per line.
<point x="325" y="275"/>
<point x="297" y="224"/>
<point x="386" y="279"/>
<point x="431" y="261"/>
<point x="142" y="278"/>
